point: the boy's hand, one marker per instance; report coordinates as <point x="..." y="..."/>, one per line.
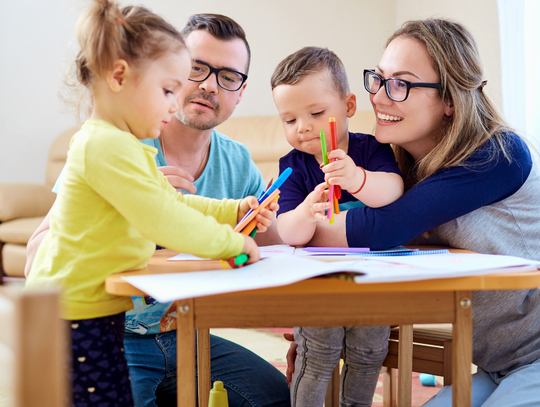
<point x="317" y="202"/>
<point x="343" y="171"/>
<point x="264" y="217"/>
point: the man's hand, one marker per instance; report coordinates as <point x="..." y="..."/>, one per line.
<point x="179" y="179"/>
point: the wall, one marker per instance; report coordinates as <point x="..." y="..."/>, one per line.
<point x="37" y="42"/>
<point x="479" y="16"/>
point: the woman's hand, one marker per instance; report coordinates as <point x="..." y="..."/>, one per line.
<point x="179" y="179"/>
<point x="264" y="218"/>
<point x="343" y="171"/>
<point x="291" y="357"/>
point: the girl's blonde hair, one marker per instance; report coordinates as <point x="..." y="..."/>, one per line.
<point x="454" y="56"/>
<point x="106" y="33"/>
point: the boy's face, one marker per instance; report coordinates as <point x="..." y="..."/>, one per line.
<point x="305" y="107"/>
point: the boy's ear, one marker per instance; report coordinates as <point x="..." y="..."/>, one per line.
<point x="350" y="101"/>
<point x="117" y="76"/>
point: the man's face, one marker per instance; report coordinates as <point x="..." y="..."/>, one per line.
<point x="204" y="105"/>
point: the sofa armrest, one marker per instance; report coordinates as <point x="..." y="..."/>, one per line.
<point x="24" y="200"/>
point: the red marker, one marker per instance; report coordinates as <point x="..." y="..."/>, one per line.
<point x="334" y="145"/>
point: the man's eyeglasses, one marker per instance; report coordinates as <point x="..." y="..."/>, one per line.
<point x="396" y="89"/>
<point x="226" y="78"/>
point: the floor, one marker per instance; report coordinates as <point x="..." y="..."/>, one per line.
<point x="271" y="346"/>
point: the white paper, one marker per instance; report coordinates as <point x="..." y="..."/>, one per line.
<point x="272" y="272"/>
<point x="286" y="269"/>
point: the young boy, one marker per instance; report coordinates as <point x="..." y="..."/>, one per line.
<point x="309" y="87"/>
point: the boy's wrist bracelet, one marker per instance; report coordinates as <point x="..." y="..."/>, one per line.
<point x="363" y="183"/>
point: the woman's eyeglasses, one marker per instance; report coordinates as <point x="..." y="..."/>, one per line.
<point x="396" y="89"/>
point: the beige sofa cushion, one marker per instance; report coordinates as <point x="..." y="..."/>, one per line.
<point x="24" y="200"/>
<point x="19" y="230"/>
<point x="58" y="156"/>
<point x="14" y="259"/>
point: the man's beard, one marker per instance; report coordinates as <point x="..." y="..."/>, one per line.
<point x="196" y="120"/>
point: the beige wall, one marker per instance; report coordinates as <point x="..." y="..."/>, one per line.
<point x="37" y="39"/>
<point x="479" y="16"/>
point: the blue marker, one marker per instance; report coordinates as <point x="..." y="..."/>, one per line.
<point x="279" y="182"/>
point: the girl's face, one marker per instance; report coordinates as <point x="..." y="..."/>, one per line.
<point x="151" y="100"/>
<point x="415" y="123"/>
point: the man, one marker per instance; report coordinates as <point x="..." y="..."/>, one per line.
<point x="197" y="159"/>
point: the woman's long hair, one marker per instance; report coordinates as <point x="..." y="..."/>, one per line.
<point x="454" y="56"/>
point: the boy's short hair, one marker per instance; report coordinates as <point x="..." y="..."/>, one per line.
<point x="309" y="61"/>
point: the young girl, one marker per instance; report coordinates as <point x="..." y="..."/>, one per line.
<point x="113" y="204"/>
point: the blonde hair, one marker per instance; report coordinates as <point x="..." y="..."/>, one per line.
<point x="475" y="120"/>
<point x="106" y="33"/>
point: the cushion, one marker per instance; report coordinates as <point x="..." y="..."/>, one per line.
<point x="24" y="200"/>
<point x="19" y="230"/>
<point x="14" y="259"/>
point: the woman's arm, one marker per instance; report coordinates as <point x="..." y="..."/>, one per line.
<point x="446" y="195"/>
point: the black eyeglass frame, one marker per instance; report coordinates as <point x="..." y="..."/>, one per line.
<point x="384" y="82"/>
<point x="217" y="71"/>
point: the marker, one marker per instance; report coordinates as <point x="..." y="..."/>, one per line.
<point x="336" y="249"/>
<point x="266" y="189"/>
<point x="323" y="148"/>
<point x="279" y="182"/>
<point x="334" y="145"/>
<point x="238" y="261"/>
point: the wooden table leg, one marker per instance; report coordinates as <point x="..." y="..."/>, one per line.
<point x="185" y="354"/>
<point x="405" y="365"/>
<point x="462" y="350"/>
<point x="203" y="365"/>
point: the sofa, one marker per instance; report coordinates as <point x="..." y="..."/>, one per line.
<point x="23" y="206"/>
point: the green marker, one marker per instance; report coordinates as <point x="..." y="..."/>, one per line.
<point x="240" y="259"/>
<point x="323" y="148"/>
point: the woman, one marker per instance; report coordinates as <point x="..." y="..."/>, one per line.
<point x="470" y="184"/>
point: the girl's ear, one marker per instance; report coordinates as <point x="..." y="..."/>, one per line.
<point x="350" y="101"/>
<point x="117" y="75"/>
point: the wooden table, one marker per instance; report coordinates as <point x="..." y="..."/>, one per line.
<point x="326" y="301"/>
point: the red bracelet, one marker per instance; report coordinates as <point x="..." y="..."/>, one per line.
<point x="363" y="183"/>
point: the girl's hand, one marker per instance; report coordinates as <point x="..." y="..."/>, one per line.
<point x="251" y="249"/>
<point x="264" y="218"/>
<point x="317" y="202"/>
<point x="343" y="171"/>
